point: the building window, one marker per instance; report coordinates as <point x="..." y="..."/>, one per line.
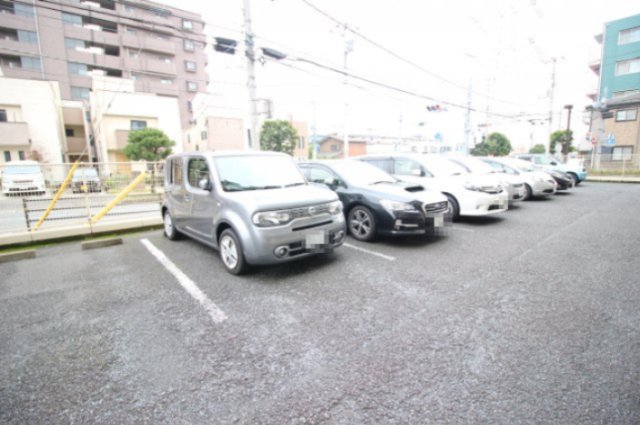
<point x="190" y="66"/>
<point x="622" y="153"/>
<point x="625" y="93"/>
<point x="28" y="62"/>
<point x="630" y="66"/>
<point x="165" y="59"/>
<point x="23" y="9"/>
<point x="335" y="148"/>
<point x="187" y="25"/>
<point x="166" y="81"/>
<point x="7" y="156"/>
<point x="189" y="45"/>
<point x="189" y="106"/>
<point x="138" y="125"/>
<point x="21" y="155"/>
<point x="192" y="86"/>
<point x="79" y="93"/>
<point x="78" y="68"/>
<point x="73" y="43"/>
<point x="630" y="35"/>
<point x="27" y="37"/>
<point x="626" y="115"/>
<point x="68" y="132"/>
<point x="3" y="115"/>
<point x="71" y="19"/>
<point x="203" y="135"/>
<point x="130" y="30"/>
<point x="133" y="53"/>
<point x="135" y="76"/>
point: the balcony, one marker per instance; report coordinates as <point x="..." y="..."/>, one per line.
<point x="595" y="66"/>
<point x="76" y="144"/>
<point x="14" y="134"/>
<point x="149" y="43"/>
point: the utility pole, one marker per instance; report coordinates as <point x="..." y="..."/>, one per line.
<point x="565" y="145"/>
<point x="253" y="140"/>
<point x="348" y="48"/>
<point x="467" y="122"/>
<point x="551" y="94"/>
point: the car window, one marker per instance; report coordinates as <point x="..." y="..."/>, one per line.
<point x="176" y="171"/>
<point x="385" y="164"/>
<point x="319" y="175"/>
<point x="197" y="169"/>
<point x="496" y="166"/>
<point x="408" y="167"/>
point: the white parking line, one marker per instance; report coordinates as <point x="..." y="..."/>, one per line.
<point x="215" y="313"/>
<point x="377" y="254"/>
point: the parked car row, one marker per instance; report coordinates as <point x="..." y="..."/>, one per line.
<point x="263" y="208"/>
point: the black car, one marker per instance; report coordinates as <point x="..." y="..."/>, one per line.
<point x="376" y="202"/>
<point x="563" y="180"/>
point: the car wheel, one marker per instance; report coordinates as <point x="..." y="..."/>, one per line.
<point x="574" y="179"/>
<point x="170" y="230"/>
<point x="454" y="209"/>
<point x="362" y="224"/>
<point x="231" y="253"/>
<point x="528" y="192"/>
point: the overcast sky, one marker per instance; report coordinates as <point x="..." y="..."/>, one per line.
<point x="504" y="49"/>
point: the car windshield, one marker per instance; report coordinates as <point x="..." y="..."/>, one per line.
<point x="238" y="173"/>
<point x="441" y="167"/>
<point x="21" y="169"/>
<point x="85" y="172"/>
<point x="522" y="165"/>
<point x="359" y="173"/>
<point x="474" y="165"/>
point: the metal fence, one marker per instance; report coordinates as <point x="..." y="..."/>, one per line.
<point x="618" y="163"/>
<point x="104" y="177"/>
<point x="92" y="187"/>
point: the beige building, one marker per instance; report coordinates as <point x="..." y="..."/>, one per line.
<point x="115" y="113"/>
<point x="332" y="147"/>
<point x="161" y="48"/>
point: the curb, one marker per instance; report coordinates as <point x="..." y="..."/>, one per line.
<point x="613" y="179"/>
<point x="17" y="255"/>
<point x="100" y="243"/>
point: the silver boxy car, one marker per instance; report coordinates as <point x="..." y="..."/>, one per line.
<point x="254" y="207"/>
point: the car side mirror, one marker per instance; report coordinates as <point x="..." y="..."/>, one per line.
<point x="553" y="163"/>
<point x="204" y="184"/>
<point x="332" y="183"/>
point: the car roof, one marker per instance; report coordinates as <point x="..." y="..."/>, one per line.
<point x="229" y="153"/>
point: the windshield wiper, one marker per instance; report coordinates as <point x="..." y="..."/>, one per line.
<point x="383" y="181"/>
<point x="294" y="184"/>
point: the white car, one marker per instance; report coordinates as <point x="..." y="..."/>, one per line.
<point x="23" y="178"/>
<point x="468" y="194"/>
<point x="537" y="183"/>
<point x="513" y="183"/>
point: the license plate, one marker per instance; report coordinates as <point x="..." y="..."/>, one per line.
<point x="438" y="221"/>
<point x="314" y="240"/>
<point x="83" y="188"/>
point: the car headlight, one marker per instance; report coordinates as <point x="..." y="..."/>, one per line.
<point x="335" y="207"/>
<point x="271" y="218"/>
<point x="396" y="206"/>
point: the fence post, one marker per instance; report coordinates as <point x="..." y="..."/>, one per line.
<point x="26" y="213"/>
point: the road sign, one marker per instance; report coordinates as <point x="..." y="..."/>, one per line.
<point x="611" y="140"/>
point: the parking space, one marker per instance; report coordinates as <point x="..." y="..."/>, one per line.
<point x="529" y="316"/>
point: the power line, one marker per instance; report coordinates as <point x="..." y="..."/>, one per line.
<point x="397" y="56"/>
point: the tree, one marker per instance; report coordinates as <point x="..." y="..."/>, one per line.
<point x="278" y="136"/>
<point x="148" y="144"/>
<point x="496" y="144"/>
<point x="564" y="137"/>
<point x="539" y="148"/>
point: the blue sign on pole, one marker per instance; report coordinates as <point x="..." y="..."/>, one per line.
<point x="611" y="140"/>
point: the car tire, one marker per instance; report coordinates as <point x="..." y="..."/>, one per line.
<point x="574" y="178"/>
<point x="454" y="208"/>
<point x="170" y="230"/>
<point x="528" y="192"/>
<point x="361" y="223"/>
<point x="231" y="253"/>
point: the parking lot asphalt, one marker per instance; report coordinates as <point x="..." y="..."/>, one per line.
<point x="527" y="317"/>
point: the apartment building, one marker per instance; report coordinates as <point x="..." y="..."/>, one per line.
<point x="614" y="115"/>
<point x="160" y="48"/>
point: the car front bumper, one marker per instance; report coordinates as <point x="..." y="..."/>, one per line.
<point x="481" y="203"/>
